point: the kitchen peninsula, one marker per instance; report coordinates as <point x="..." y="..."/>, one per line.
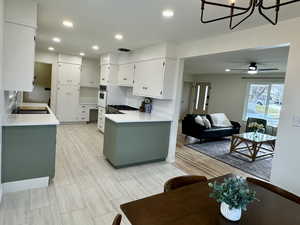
<point x="135" y="137"/>
<point x="29" y="147"/>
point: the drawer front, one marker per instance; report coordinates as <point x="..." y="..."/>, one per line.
<point x="83" y="118"/>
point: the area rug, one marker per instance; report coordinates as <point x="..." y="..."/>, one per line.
<point x="220" y="150"/>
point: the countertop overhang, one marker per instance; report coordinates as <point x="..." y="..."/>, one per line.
<point x="136" y="117"/>
<point x="31" y="119"/>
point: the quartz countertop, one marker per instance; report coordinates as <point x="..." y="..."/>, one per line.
<point x="135" y="117"/>
<point x="31" y="119"/>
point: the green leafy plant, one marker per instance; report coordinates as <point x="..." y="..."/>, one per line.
<point x="233" y="191"/>
<point x="256" y="127"/>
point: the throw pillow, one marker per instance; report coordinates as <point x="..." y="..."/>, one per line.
<point x="206" y="122"/>
<point x="199" y="120"/>
<point x="220" y="120"/>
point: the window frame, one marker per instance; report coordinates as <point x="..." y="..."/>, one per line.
<point x="246" y="101"/>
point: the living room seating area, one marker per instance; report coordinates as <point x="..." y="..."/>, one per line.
<point x="190" y="127"/>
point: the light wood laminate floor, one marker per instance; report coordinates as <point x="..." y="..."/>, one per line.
<point x="87" y="190"/>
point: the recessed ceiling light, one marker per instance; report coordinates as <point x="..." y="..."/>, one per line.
<point x="168" y="13"/>
<point x="119" y="37"/>
<point x="228" y="70"/>
<point x="95" y="47"/>
<point x="56" y="39"/>
<point x="68" y="23"/>
<point x="51" y="48"/>
<point x="82" y="53"/>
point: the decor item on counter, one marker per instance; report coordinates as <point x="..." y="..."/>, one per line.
<point x="146" y="105"/>
<point x="256" y="128"/>
<point x="234" y="195"/>
<point x="242" y="10"/>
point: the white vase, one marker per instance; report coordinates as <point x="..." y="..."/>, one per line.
<point x="230" y="214"/>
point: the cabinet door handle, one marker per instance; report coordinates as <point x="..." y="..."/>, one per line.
<point x="69" y="80"/>
<point x="124" y="78"/>
<point x="102" y="79"/>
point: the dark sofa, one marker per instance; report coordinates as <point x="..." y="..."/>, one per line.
<point x="191" y="128"/>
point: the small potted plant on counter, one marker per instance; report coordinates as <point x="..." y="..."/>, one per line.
<point x="234" y="195"/>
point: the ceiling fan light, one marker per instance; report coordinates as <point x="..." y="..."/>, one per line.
<point x="252" y="71"/>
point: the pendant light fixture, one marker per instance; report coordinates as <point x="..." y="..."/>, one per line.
<point x="236" y="11"/>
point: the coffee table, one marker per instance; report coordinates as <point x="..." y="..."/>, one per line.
<point x="257" y="145"/>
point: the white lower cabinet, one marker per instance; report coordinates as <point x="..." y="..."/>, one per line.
<point x="84" y="113"/>
<point x="67" y="103"/>
<point x="101" y="119"/>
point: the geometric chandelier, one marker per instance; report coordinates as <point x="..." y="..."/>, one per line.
<point x="237" y="11"/>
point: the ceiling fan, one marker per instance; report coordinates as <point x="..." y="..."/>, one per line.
<point x="253" y="69"/>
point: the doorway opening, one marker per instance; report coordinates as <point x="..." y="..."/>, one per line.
<point x="41" y="92"/>
<point x="229" y="101"/>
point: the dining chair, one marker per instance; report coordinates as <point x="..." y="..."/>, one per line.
<point x="117" y="220"/>
<point x="275" y="189"/>
<point x="178" y="182"/>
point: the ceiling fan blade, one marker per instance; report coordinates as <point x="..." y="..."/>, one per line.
<point x="269" y="69"/>
<point x="239" y="69"/>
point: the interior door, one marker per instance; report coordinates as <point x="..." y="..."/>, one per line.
<point x="200" y="98"/>
<point x="69" y="74"/>
<point x="68" y="103"/>
<point x="185" y="98"/>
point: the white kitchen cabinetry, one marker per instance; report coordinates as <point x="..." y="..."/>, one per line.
<point x="154" y="78"/>
<point x="19" y="45"/>
<point x="125" y="75"/>
<point x="67" y="103"/>
<point x="109" y="74"/>
<point x="90" y="74"/>
<point x="101" y="119"/>
<point x="77" y="60"/>
<point x="68" y="74"/>
<point x="84" y="111"/>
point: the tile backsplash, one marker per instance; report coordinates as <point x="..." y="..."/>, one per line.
<point x="11" y="100"/>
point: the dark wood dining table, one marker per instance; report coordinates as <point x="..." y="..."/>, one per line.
<point x="191" y="205"/>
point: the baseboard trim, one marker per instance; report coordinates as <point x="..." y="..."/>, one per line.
<point x="22" y="185"/>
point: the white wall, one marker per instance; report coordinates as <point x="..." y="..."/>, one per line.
<point x="1" y="91"/>
<point x="286" y="161"/>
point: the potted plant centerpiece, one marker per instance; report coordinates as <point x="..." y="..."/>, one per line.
<point x="234" y="195"/>
<point x="256" y="127"/>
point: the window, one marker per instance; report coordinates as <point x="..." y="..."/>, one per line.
<point x="264" y="100"/>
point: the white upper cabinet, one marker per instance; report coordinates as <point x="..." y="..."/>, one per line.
<point x="21" y="12"/>
<point x="125" y="75"/>
<point x="90" y="70"/>
<point x="69" y="59"/>
<point x="109" y="74"/>
<point x="69" y="74"/>
<point x="154" y="78"/>
<point x="19" y="45"/>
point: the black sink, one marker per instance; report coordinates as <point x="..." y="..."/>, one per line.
<point x="30" y="111"/>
